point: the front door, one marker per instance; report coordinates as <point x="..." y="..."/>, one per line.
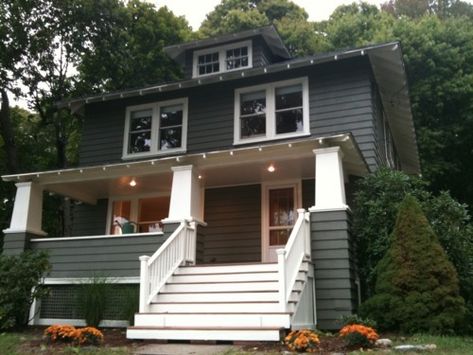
<point x="279" y="216"/>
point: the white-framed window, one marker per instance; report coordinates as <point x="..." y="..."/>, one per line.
<point x="272" y="111"/>
<point x="136" y="214"/>
<point x="226" y="58"/>
<point x="156" y="129"/>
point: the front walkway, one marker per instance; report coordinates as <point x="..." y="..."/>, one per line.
<point x="186" y="349"/>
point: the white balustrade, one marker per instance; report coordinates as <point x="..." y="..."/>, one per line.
<point x="178" y="249"/>
<point x="291" y="258"/>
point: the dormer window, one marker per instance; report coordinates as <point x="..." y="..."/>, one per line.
<point x="225" y="58"/>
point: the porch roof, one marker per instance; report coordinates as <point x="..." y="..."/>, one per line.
<point x="88" y="184"/>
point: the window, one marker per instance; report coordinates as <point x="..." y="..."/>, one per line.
<point x="138" y="215"/>
<point x="271" y="111"/>
<point x="154" y="129"/>
<point x="209" y="63"/>
<point x="222" y="59"/>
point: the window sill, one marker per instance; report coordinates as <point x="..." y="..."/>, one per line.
<point x="268" y="139"/>
<point x="222" y="72"/>
<point x="153" y="154"/>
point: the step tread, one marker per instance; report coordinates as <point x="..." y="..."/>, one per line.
<point x="203" y="328"/>
<point x="209" y="292"/>
<point x="227" y="264"/>
<point x="228" y="273"/>
<point x="216" y="313"/>
<point x="221" y="282"/>
<point x="220" y="302"/>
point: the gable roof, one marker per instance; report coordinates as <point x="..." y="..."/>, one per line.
<point x="387" y="66"/>
<point x="269" y="34"/>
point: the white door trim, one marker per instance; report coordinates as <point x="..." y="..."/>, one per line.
<point x="265" y="187"/>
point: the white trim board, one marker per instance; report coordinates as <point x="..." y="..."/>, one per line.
<point x="106" y="236"/>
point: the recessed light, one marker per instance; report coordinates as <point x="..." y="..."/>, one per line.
<point x="132" y="182"/>
<point x="271" y="168"/>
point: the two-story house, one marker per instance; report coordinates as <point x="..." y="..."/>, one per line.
<point x="225" y="196"/>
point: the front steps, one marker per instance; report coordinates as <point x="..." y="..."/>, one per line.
<point x="235" y="302"/>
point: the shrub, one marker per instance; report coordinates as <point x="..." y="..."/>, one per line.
<point x="304" y="340"/>
<point x="70" y="334"/>
<point x="20" y="284"/>
<point x="376" y="203"/>
<point x="358" y="335"/>
<point x="417" y="287"/>
<point x="356" y="319"/>
<point x="92" y="299"/>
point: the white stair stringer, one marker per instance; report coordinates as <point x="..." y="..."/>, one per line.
<point x="219" y="302"/>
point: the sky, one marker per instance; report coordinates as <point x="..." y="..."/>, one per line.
<point x="195" y="10"/>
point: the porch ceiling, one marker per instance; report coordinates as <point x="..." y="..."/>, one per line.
<point x="242" y="165"/>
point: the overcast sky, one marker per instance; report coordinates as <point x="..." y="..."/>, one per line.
<point x="195" y="10"/>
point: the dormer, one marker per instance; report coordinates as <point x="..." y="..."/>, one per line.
<point x="231" y="52"/>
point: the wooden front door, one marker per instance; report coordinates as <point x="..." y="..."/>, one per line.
<point x="279" y="215"/>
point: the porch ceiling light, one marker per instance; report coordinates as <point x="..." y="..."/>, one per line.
<point x="132" y="182"/>
<point x="271" y="168"/>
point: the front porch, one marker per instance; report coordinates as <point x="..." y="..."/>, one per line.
<point x="233" y="196"/>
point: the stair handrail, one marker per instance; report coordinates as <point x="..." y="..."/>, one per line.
<point x="178" y="249"/>
<point x="292" y="256"/>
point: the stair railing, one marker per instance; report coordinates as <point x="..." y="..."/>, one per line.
<point x="290" y="259"/>
<point x="178" y="249"/>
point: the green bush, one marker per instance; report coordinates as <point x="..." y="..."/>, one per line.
<point x="356" y="319"/>
<point x="132" y="304"/>
<point x="92" y="299"/>
<point x="377" y="201"/>
<point x="20" y="284"/>
<point x="417" y="286"/>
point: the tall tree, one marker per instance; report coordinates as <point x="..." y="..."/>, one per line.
<point x="299" y="34"/>
<point x="131" y="53"/>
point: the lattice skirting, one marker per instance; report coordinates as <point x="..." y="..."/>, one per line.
<point x="63" y="305"/>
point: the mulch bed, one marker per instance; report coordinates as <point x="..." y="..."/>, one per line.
<point x="116" y="338"/>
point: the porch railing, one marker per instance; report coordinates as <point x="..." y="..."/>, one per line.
<point x="178" y="249"/>
<point x="291" y="258"/>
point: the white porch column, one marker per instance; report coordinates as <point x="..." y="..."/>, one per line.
<point x="28" y="209"/>
<point x="329" y="180"/>
<point x="186" y="194"/>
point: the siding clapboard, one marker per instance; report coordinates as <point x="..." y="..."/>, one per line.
<point x="110" y="257"/>
<point x="233" y="232"/>
<point x="340" y="101"/>
<point x="90" y="219"/>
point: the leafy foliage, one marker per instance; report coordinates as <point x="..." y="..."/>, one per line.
<point x="377" y="201"/>
<point x="92" y="299"/>
<point x="356" y="319"/>
<point x="359" y="335"/>
<point x="417" y="286"/>
<point x="19" y="275"/>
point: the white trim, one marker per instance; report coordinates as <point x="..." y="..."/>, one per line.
<point x="154" y="149"/>
<point x="270" y="89"/>
<point x="81" y="322"/>
<point x="222" y="57"/>
<point x="334" y="209"/>
<point x="82" y="280"/>
<point x="30" y="231"/>
<point x="265" y="187"/>
<point x="106" y="236"/>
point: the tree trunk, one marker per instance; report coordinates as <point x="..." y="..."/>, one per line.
<point x="6" y="130"/>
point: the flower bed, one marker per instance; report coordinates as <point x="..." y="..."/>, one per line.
<point x="70" y="334"/>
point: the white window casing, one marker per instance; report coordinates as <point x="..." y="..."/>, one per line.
<point x="270" y="89"/>
<point x="155" y="128"/>
<point x="222" y="57"/>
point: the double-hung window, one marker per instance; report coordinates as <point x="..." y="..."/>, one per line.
<point x="222" y="59"/>
<point x="272" y="111"/>
<point x="154" y="129"/>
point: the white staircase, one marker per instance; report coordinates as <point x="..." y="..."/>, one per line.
<point x="230" y="302"/>
<point x="223" y="302"/>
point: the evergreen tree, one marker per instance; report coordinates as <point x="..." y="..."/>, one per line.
<point x="417" y="287"/>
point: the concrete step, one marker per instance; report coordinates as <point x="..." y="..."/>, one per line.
<point x="225" y="334"/>
<point x="252" y="320"/>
